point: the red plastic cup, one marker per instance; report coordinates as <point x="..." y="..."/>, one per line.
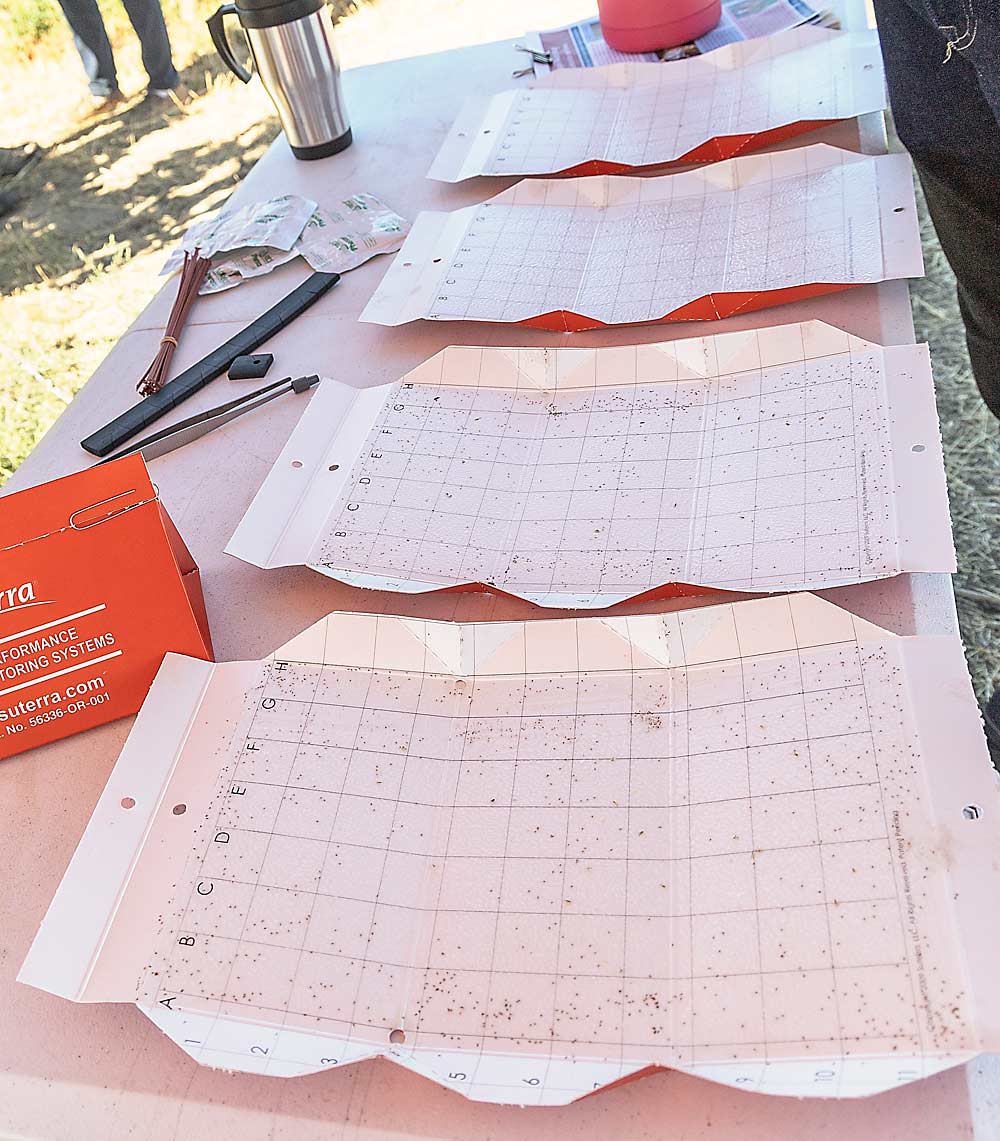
<point x="648" y="25"/>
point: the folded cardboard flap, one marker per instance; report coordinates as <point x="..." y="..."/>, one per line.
<point x="190" y="576"/>
<point x="304" y="476"/>
<point x="719" y="149"/>
<point x="712" y="307"/>
<point x="81" y="952"/>
<point x="922" y="510"/>
<point x="964" y="794"/>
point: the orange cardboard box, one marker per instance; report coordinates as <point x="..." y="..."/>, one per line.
<point x="96" y="585"/>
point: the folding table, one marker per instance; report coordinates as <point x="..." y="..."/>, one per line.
<point x="79" y="1071"/>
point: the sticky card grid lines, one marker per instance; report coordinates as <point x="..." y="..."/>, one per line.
<point x="687" y="865"/>
<point x="552" y="129"/>
<point x="641" y="261"/>
<point x="772" y="478"/>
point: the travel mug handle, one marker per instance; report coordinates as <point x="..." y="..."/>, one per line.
<point x="217" y="28"/>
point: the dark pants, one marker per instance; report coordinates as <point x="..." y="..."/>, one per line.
<point x="942" y="60"/>
<point x="146" y="16"/>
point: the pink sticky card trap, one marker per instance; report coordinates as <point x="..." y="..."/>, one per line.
<point x="788" y="458"/>
<point x="569" y="254"/>
<point x="530" y="860"/>
<point x="631" y="116"/>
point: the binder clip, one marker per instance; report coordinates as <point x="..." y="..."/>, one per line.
<point x="536" y="57"/>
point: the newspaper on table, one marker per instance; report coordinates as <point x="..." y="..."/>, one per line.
<point x="583" y="44"/>
<point x="752" y="19"/>
<point x="579" y="45"/>
<point x="627" y="116"/>
<point x="791" y="458"/>
<point x="254" y="239"/>
<point x="726" y="238"/>
<point x="755" y="842"/>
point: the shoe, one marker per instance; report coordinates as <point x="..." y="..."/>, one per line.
<point x="180" y="95"/>
<point x="14" y="159"/>
<point x="9" y="202"/>
<point x="991" y="723"/>
<point x="98" y="105"/>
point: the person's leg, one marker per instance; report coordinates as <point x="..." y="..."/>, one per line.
<point x="991" y="723"/>
<point x="14" y="159"/>
<point x="965" y="209"/>
<point x="943" y="72"/>
<point x="147" y="19"/>
<point x="9" y="202"/>
<point x="84" y="19"/>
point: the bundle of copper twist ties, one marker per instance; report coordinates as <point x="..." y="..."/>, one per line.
<point x="191" y="277"/>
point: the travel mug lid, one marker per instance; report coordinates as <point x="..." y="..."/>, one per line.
<point x="271" y="13"/>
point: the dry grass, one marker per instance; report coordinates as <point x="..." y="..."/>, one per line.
<point x="80" y="256"/>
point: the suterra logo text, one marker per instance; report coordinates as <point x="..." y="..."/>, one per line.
<point x="17" y="597"/>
